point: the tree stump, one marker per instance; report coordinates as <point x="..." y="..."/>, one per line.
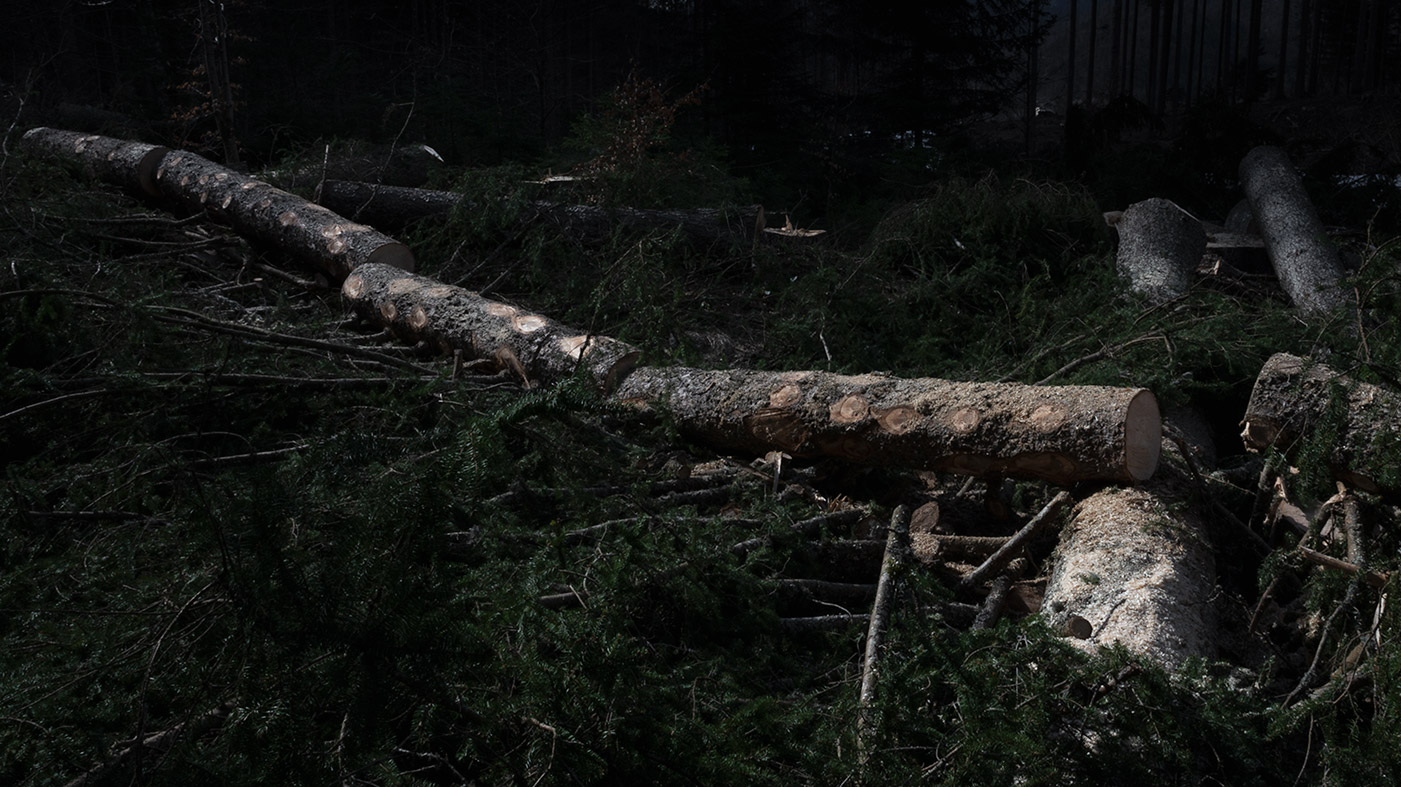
<point x="1160" y="247"/>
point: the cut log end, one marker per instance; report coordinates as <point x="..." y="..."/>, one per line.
<point x="393" y="254"/>
<point x="146" y="170"/>
<point x="1143" y="436"/>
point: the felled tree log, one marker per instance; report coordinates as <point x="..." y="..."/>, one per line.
<point x="131" y="165"/>
<point x="1061" y="434"/>
<point x="537" y="348"/>
<point x="391" y="206"/>
<point x="1360" y="424"/>
<point x="251" y="207"/>
<point x="1140" y="570"/>
<point x="268" y="214"/>
<point x="1160" y="247"/>
<point x="1305" y="262"/>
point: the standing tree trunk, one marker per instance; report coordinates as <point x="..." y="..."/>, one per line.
<point x="1116" y="51"/>
<point x="214" y="41"/>
<point x="1070" y="59"/>
<point x="1304" y="260"/>
<point x="1252" y="57"/>
<point x="1090" y="71"/>
<point x="1283" y="66"/>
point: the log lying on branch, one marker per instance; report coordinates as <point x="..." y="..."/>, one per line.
<point x="251" y="207"/>
<point x="1305" y="262"/>
<point x="537" y="348"/>
<point x="131" y="165"/>
<point x="391" y="206"/>
<point x="1141" y="571"/>
<point x="1160" y="247"/>
<point x="1061" y="434"/>
<point x="1295" y="399"/>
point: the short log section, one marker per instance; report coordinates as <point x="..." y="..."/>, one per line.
<point x="537" y="348"/>
<point x="1160" y="248"/>
<point x="1061" y="434"/>
<point x="131" y="165"/>
<point x="1305" y="261"/>
<point x="1296" y="400"/>
<point x="1140" y="571"/>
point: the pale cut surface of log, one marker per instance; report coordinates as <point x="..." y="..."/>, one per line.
<point x="1061" y="434"/>
<point x="417" y="308"/>
<point x="1160" y="247"/>
<point x="268" y="214"/>
<point x="1140" y="570"/>
<point x="131" y="165"/>
<point x="1293" y="397"/>
<point x="1305" y="261"/>
<point x="393" y="206"/>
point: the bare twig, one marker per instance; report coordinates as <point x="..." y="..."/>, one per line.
<point x="1003" y="556"/>
<point x="875" y="632"/>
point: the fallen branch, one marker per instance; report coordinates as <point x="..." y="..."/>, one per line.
<point x="875" y="632"/>
<point x="997" y="560"/>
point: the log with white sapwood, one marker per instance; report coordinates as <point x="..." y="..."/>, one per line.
<point x="1138" y="567"/>
<point x="1160" y="247"/>
<point x="1294" y="398"/>
<point x="1305" y="261"/>
<point x="535" y="347"/>
<point x="1061" y="434"/>
<point x="131" y="165"/>
<point x="392" y="206"/>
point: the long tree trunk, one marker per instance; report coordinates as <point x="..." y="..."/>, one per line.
<point x="1305" y="261"/>
<point x="253" y="208"/>
<point x="1160" y="247"/>
<point x="534" y="347"/>
<point x="394" y="207"/>
<point x="1056" y="433"/>
<point x="130" y="165"/>
<point x="1297" y="402"/>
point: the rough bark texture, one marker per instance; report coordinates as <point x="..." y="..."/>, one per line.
<point x="1139" y="568"/>
<point x="131" y="165"/>
<point x="264" y="213"/>
<point x="1297" y="402"/>
<point x="1160" y="247"/>
<point x="1057" y="433"/>
<point x="420" y="309"/>
<point x="392" y="206"/>
<point x="1305" y="261"/>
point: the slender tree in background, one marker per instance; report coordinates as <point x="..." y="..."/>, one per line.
<point x="1132" y="34"/>
<point x="1070" y="57"/>
<point x="1252" y="57"/>
<point x="1090" y="71"/>
<point x="1155" y="14"/>
<point x="1116" y="51"/>
<point x="1282" y="67"/>
<point x="214" y="43"/>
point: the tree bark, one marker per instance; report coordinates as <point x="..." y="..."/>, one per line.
<point x="1305" y="262"/>
<point x="1061" y="434"/>
<point x="538" y="349"/>
<point x="131" y="165"/>
<point x="1358" y="424"/>
<point x="396" y="206"/>
<point x="1160" y="247"/>
<point x="253" y="208"/>
<point x="1137" y="566"/>
<point x="264" y="213"/>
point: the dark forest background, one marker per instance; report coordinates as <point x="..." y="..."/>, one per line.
<point x="806" y="99"/>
